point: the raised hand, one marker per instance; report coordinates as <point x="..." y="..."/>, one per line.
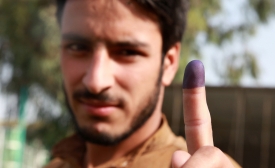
<point x="197" y="120"/>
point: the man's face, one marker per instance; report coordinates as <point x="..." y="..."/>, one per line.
<point x="111" y="64"/>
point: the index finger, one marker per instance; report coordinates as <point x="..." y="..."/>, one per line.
<point x="198" y="129"/>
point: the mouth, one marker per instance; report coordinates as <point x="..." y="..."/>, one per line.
<point x="98" y="108"/>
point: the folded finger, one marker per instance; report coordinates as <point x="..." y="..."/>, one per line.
<point x="208" y="157"/>
<point x="179" y="158"/>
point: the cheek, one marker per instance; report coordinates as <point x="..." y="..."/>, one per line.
<point x="138" y="81"/>
<point x="72" y="71"/>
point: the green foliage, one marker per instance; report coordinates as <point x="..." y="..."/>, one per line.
<point x="50" y="130"/>
<point x="28" y="31"/>
<point x="263" y="8"/>
<point x="29" y="41"/>
<point x="197" y="22"/>
<point x="236" y="66"/>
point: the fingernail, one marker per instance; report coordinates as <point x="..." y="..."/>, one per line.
<point x="193" y="75"/>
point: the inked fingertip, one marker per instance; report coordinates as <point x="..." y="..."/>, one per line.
<point x="194" y="75"/>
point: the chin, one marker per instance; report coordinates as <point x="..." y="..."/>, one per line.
<point x="101" y="136"/>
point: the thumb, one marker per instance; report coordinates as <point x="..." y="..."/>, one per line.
<point x="179" y="158"/>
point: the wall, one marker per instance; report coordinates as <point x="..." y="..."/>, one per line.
<point x="243" y="121"/>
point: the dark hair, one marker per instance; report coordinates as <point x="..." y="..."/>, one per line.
<point x="171" y="16"/>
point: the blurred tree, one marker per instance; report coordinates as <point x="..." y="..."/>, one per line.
<point x="29" y="41"/>
<point x="221" y="35"/>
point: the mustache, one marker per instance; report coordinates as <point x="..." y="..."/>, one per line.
<point x="102" y="97"/>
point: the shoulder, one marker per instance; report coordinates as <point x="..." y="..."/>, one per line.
<point x="160" y="157"/>
<point x="68" y="153"/>
<point x="158" y="150"/>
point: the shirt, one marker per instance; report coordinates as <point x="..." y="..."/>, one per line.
<point x="156" y="152"/>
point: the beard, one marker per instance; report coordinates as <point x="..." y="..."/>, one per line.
<point x="138" y="120"/>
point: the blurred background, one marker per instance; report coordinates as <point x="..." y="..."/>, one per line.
<point x="234" y="39"/>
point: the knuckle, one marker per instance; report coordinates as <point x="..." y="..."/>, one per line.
<point x="211" y="151"/>
<point x="213" y="156"/>
<point x="197" y="122"/>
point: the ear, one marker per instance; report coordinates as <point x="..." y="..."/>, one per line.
<point x="170" y="64"/>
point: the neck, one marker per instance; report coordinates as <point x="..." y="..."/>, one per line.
<point x="98" y="154"/>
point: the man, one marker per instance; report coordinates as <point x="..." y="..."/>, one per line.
<point x="117" y="56"/>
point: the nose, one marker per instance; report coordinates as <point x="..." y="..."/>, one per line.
<point x="99" y="76"/>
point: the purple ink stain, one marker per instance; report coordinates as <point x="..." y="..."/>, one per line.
<point x="193" y="75"/>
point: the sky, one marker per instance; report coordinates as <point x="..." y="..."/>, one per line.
<point x="263" y="44"/>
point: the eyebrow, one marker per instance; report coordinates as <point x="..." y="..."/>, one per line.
<point x="129" y="43"/>
<point x="118" y="43"/>
<point x="75" y="37"/>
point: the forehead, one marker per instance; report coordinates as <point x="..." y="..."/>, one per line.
<point x="107" y="17"/>
<point x="111" y="7"/>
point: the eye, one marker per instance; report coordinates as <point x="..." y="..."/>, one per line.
<point x="127" y="55"/>
<point x="75" y="49"/>
<point x="128" y="52"/>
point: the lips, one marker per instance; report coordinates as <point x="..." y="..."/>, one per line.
<point x="98" y="108"/>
